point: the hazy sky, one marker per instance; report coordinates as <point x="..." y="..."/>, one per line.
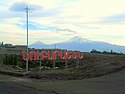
<point x="52" y="21"/>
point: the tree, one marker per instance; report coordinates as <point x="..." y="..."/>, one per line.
<point x="111" y="51"/>
<point x="95" y="51"/>
<point x="15" y="59"/>
<point x="8" y="45"/>
<point x="2" y="44"/>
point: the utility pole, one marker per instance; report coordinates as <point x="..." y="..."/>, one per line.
<point x="27" y="12"/>
<point x="55" y="46"/>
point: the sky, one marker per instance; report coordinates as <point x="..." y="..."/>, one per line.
<point x="53" y="21"/>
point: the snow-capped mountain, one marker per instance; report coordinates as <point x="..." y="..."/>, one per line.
<point x="79" y="39"/>
<point x="79" y="43"/>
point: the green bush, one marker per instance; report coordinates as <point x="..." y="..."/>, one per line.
<point x="10" y="59"/>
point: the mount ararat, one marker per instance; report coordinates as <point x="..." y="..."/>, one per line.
<point x="79" y="43"/>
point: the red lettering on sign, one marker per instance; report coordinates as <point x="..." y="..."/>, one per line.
<point x="53" y="55"/>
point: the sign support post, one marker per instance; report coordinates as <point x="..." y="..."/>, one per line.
<point x="40" y="60"/>
<point x="66" y="64"/>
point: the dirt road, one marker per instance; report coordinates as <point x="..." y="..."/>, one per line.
<point x="110" y="84"/>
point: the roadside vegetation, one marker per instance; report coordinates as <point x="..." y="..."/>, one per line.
<point x="95" y="63"/>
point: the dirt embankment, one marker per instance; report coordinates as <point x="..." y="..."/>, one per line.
<point x="93" y="65"/>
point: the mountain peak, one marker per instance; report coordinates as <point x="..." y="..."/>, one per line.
<point x="38" y="42"/>
<point x="38" y="45"/>
<point x="79" y="39"/>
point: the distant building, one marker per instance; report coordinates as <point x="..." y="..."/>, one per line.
<point x="20" y="46"/>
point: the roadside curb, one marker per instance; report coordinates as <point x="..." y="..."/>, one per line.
<point x="12" y="73"/>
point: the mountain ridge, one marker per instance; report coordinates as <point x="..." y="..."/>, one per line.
<point x="79" y="43"/>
